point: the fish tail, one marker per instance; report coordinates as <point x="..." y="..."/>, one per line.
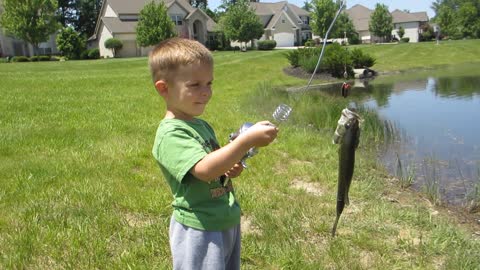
<point x="334" y="229"/>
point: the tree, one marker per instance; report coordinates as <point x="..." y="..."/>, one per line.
<point x="202" y="4"/>
<point x="30" y="20"/>
<point x="113" y="44"/>
<point x="66" y="12"/>
<point x="87" y="14"/>
<point x="381" y="22"/>
<point x="344" y="26"/>
<point x="240" y="22"/>
<point x="458" y="18"/>
<point x="70" y="43"/>
<point x="307" y="6"/>
<point x="401" y="32"/>
<point x="81" y="14"/>
<point x="154" y="25"/>
<point x="322" y="16"/>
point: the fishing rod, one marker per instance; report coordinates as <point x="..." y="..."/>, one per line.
<point x="343" y="3"/>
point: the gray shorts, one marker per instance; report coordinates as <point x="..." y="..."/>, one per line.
<point x="197" y="249"/>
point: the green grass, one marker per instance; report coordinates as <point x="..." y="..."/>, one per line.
<point x="408" y="56"/>
<point x="79" y="188"/>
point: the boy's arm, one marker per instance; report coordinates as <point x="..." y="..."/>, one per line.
<point x="220" y="161"/>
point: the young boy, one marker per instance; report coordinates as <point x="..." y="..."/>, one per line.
<point x="205" y="225"/>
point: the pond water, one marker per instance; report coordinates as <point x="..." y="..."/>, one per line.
<point x="437" y="127"/>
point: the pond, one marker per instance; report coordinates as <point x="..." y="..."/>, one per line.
<point x="436" y="142"/>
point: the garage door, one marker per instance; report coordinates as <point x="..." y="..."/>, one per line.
<point x="284" y="39"/>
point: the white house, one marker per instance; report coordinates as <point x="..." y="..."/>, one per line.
<point x="12" y="46"/>
<point x="411" y="23"/>
<point x="285" y="23"/>
<point x="119" y="18"/>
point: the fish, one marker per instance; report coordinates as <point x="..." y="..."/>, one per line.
<point x="347" y="135"/>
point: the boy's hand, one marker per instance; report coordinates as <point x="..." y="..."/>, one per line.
<point x="235" y="171"/>
<point x="261" y="134"/>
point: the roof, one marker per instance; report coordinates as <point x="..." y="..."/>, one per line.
<point x="360" y="16"/>
<point x="275" y="10"/>
<point x="402" y="17"/>
<point x="134" y="7"/>
<point x="115" y="25"/>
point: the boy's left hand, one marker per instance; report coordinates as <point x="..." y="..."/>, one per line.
<point x="235" y="171"/>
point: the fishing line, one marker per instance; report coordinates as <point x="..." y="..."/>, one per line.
<point x="342" y="5"/>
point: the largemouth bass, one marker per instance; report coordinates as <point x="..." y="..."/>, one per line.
<point x="347" y="135"/>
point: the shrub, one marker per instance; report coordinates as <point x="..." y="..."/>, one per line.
<point x="309" y="63"/>
<point x="94" y="53"/>
<point x="70" y="43"/>
<point x="266" y="44"/>
<point x="309" y="43"/>
<point x="3" y="60"/>
<point x="337" y="59"/>
<point x="293" y="57"/>
<point x="404" y="40"/>
<point x="44" y="58"/>
<point x="34" y="59"/>
<point x="113" y="44"/>
<point x="361" y="59"/>
<point x="20" y="59"/>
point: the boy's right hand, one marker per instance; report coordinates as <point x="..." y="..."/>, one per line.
<point x="261" y="134"/>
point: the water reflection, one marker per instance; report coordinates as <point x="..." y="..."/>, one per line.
<point x="438" y="131"/>
<point x="442" y="145"/>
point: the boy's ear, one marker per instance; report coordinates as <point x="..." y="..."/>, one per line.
<point x="162" y="87"/>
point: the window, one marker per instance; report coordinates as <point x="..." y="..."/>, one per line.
<point x="306" y="20"/>
<point x="283" y="20"/>
<point x="128" y="17"/>
<point x="177" y="19"/>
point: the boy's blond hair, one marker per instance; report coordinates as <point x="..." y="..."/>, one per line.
<point x="172" y="53"/>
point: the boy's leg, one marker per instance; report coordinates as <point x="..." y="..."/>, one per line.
<point x="232" y="261"/>
<point x="196" y="249"/>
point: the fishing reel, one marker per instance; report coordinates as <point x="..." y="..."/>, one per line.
<point x="281" y="114"/>
<point x="252" y="151"/>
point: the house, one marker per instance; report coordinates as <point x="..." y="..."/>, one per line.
<point x="118" y="19"/>
<point x="360" y="16"/>
<point x="411" y="22"/>
<point x="11" y="46"/>
<point x="285" y="23"/>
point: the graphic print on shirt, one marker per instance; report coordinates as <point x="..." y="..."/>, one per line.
<point x="227" y="186"/>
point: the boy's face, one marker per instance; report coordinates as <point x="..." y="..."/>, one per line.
<point x="189" y="91"/>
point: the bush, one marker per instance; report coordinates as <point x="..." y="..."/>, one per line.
<point x="3" y="60"/>
<point x="334" y="61"/>
<point x="94" y="53"/>
<point x="113" y="44"/>
<point x="404" y="40"/>
<point x="361" y="59"/>
<point x="293" y="57"/>
<point x="337" y="59"/>
<point x="34" y="59"/>
<point x="266" y="44"/>
<point x="20" y="59"/>
<point x="44" y="58"/>
<point x="309" y="43"/>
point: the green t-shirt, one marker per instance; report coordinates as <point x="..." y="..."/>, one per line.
<point x="178" y="146"/>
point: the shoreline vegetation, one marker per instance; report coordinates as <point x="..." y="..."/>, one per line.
<point x="80" y="189"/>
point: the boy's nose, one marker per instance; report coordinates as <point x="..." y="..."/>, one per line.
<point x="207" y="91"/>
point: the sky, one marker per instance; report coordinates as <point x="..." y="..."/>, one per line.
<point x="412" y="5"/>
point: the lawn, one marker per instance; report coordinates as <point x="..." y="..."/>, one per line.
<point x="79" y="188"/>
